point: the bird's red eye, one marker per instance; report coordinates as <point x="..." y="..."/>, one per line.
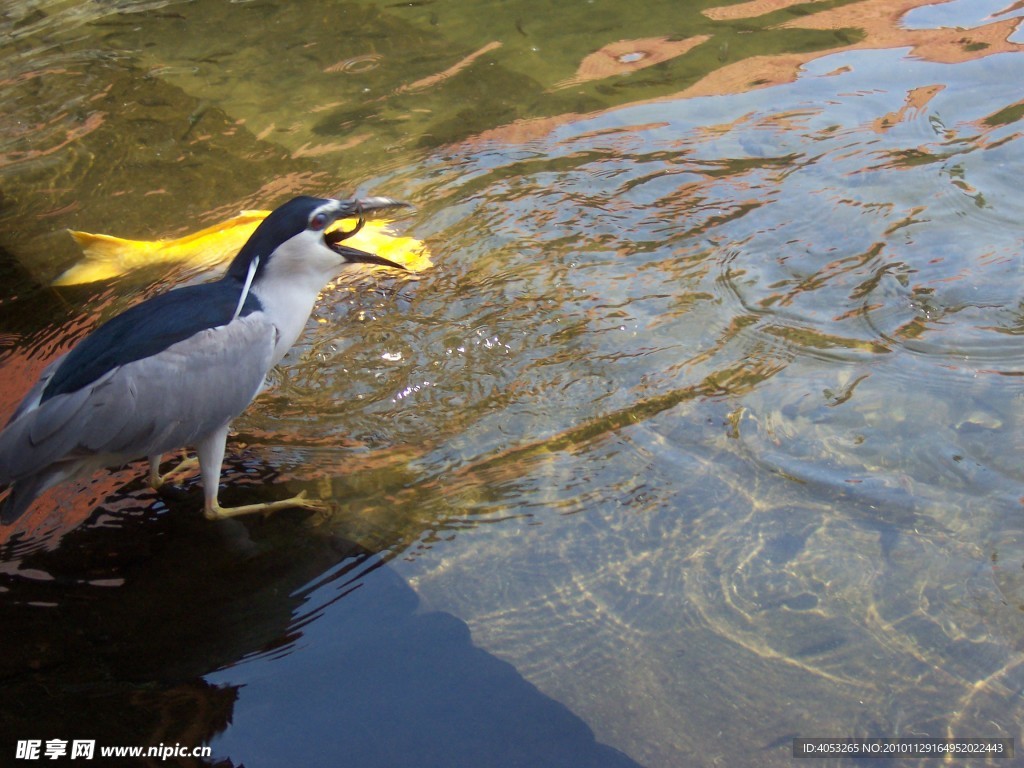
<point x="318" y="222"/>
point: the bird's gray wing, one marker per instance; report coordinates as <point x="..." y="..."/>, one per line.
<point x="31" y="400"/>
<point x="148" y="406"/>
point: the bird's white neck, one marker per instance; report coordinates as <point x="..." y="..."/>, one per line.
<point x="290" y="281"/>
<point x="288" y="307"/>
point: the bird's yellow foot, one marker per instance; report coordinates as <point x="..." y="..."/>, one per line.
<point x="158" y="481"/>
<point x="215" y="511"/>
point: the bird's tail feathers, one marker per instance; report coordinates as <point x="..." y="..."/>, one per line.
<point x="22" y="493"/>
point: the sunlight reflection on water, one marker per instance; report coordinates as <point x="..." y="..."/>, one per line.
<point x="850" y="325"/>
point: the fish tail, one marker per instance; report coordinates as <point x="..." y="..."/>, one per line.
<point x="104" y="258"/>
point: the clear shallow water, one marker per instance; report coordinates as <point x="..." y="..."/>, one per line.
<point x="699" y="437"/>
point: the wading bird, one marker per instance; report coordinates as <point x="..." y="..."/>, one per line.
<point x="174" y="370"/>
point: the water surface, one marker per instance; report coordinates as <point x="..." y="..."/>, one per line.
<point x="699" y="437"/>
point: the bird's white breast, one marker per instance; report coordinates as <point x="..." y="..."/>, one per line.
<point x="288" y="308"/>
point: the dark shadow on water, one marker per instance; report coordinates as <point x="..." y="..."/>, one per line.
<point x="118" y="634"/>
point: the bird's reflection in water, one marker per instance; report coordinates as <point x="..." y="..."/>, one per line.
<point x="131" y="631"/>
<point x="112" y="632"/>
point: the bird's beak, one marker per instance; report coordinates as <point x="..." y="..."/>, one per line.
<point x="360" y="208"/>
<point x="355" y="256"/>
<point x="368" y="205"/>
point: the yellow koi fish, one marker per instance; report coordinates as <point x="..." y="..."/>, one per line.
<point x="107" y="257"/>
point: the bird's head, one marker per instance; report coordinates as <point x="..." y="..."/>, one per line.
<point x="296" y="242"/>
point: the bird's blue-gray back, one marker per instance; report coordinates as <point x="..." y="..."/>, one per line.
<point x="147" y="406"/>
<point x="147" y="329"/>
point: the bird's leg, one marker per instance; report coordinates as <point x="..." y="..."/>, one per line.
<point x="214" y="511"/>
<point x="211" y="457"/>
<point x="157" y="481"/>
